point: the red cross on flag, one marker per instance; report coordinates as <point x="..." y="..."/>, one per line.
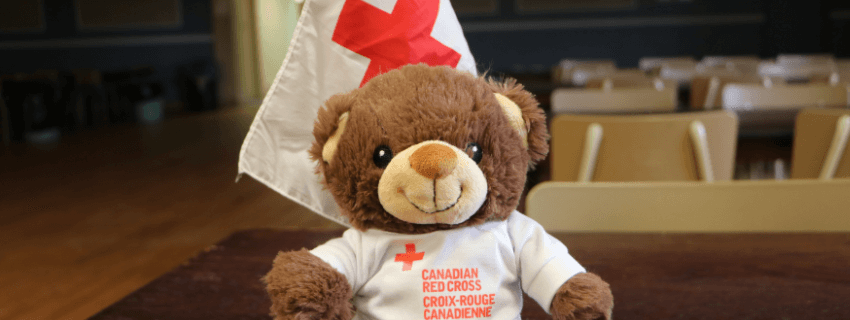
<point x="338" y="46"/>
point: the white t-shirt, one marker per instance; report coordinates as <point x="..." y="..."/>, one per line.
<point x="467" y="273"/>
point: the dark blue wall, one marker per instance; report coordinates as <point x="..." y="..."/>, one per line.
<point x="511" y="41"/>
<point x="62" y="46"/>
<point x="503" y="41"/>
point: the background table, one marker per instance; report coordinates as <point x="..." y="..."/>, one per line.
<point x="653" y="276"/>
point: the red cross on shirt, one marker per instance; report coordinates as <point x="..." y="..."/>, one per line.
<point x="391" y="41"/>
<point x="409" y="256"/>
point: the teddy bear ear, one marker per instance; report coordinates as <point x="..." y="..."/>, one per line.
<point x="330" y="146"/>
<point x="525" y="116"/>
<point x="514" y="114"/>
<point x="331" y="122"/>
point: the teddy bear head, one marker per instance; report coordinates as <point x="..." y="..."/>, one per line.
<point x="420" y="149"/>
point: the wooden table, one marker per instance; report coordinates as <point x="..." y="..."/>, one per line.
<point x="653" y="276"/>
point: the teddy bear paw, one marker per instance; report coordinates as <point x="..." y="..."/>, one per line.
<point x="303" y="287"/>
<point x="583" y="297"/>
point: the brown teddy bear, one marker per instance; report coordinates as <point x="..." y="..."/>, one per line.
<point x="428" y="164"/>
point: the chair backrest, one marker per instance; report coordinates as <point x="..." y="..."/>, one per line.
<point x="740" y="63"/>
<point x="799" y="67"/>
<point x="783" y="96"/>
<point x="570" y="70"/>
<point x="772" y="108"/>
<point x="707" y="88"/>
<point x="643" y="147"/>
<point x="714" y="72"/>
<point x="614" y="100"/>
<point x="625" y="78"/>
<point x="654" y="64"/>
<point x="679" y="71"/>
<point x="801" y="59"/>
<point x="730" y="206"/>
<point x="842" y="71"/>
<point x="820" y="145"/>
<point x="584" y="72"/>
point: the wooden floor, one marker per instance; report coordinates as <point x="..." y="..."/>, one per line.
<point x="85" y="222"/>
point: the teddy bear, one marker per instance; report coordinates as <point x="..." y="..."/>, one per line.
<point x="428" y="165"/>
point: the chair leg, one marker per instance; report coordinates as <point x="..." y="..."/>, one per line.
<point x="592" y="141"/>
<point x="711" y="96"/>
<point x="836" y="148"/>
<point x="700" y="141"/>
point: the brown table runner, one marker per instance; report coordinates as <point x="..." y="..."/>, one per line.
<point x="653" y="276"/>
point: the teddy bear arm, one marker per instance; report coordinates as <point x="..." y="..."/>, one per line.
<point x="302" y="286"/>
<point x="585" y="296"/>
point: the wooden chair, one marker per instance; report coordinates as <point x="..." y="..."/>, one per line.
<point x="741" y="63"/>
<point x="820" y="144"/>
<point x="577" y="72"/>
<point x="727" y="206"/>
<point x="679" y="71"/>
<point x="668" y="147"/>
<point x="801" y="59"/>
<point x="625" y="78"/>
<point x="842" y="72"/>
<point x="796" y="73"/>
<point x="610" y="99"/>
<point x="685" y="73"/>
<point x="582" y="73"/>
<point x="771" y="107"/>
<point x="653" y="65"/>
<point x="707" y="87"/>
<point x="714" y="72"/>
<point x="799" y="68"/>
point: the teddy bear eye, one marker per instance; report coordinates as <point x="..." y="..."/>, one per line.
<point x="382" y="156"/>
<point x="474" y="151"/>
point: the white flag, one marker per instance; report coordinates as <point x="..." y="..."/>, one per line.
<point x="336" y="47"/>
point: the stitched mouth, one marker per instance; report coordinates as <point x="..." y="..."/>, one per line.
<point x="441" y="210"/>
